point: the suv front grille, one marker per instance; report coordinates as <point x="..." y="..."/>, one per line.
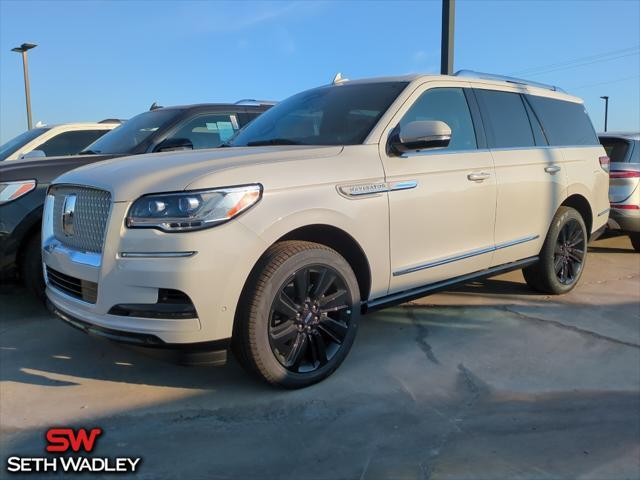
<point x="80" y="289"/>
<point x="89" y="217"/>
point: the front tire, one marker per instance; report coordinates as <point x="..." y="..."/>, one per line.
<point x="31" y="268"/>
<point x="563" y="255"/>
<point x="298" y="315"/>
<point x="635" y="241"/>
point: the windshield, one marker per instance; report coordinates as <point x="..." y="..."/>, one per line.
<point x="20" y="141"/>
<point x="333" y="115"/>
<point x="133" y="132"/>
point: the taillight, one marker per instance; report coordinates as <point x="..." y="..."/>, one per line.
<point x="623" y="174"/>
<point x="626" y="207"/>
<point x="605" y="163"/>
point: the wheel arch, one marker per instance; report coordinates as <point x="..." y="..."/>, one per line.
<point x="583" y="207"/>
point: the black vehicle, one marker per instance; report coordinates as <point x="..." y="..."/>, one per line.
<point x="23" y="184"/>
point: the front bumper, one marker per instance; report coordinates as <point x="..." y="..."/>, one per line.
<point x="212" y="278"/>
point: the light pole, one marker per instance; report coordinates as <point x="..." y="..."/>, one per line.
<point x="446" y="43"/>
<point x="606" y="110"/>
<point x="25" y="67"/>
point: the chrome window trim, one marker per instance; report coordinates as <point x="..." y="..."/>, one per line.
<point x="440" y="151"/>
<point x="463" y="256"/>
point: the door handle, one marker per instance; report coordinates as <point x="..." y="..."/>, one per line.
<point x="552" y="169"/>
<point x="478" y="177"/>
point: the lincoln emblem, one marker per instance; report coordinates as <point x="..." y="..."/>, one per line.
<point x="68" y="211"/>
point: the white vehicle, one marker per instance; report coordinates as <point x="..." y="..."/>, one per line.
<point x="338" y="201"/>
<point x="55" y="140"/>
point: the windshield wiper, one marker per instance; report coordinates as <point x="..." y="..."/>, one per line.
<point x="224" y="145"/>
<point x="89" y="152"/>
<point x="273" y="141"/>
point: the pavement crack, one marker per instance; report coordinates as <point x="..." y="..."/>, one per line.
<point x="572" y="328"/>
<point x="421" y="337"/>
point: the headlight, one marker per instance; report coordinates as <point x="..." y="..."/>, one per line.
<point x="192" y="210"/>
<point x="10" y="191"/>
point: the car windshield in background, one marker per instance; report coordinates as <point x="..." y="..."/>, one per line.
<point x="133" y="132"/>
<point x="333" y="115"/>
<point x="20" y="141"/>
<point x="616" y="148"/>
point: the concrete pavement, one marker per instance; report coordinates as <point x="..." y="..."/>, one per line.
<point x="488" y="381"/>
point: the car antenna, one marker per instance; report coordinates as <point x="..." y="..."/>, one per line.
<point x="338" y="79"/>
<point x="154" y="106"/>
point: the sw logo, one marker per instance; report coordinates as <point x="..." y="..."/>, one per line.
<point x="65" y="442"/>
<point x="63" y="439"/>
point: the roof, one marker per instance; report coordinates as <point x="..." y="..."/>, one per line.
<point x="625" y="135"/>
<point x="196" y="106"/>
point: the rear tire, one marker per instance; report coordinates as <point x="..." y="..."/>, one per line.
<point x="298" y="315"/>
<point x="563" y="255"/>
<point x="635" y="241"/>
<point x="31" y="268"/>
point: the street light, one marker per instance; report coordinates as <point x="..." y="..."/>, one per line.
<point x="25" y="67"/>
<point x="606" y="110"/>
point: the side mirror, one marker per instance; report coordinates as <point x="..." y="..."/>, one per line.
<point x="420" y="135"/>
<point x="33" y="154"/>
<point x="173" y="144"/>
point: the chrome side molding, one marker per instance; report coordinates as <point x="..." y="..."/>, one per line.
<point x="362" y="189"/>
<point x="462" y="256"/>
<point x="157" y="254"/>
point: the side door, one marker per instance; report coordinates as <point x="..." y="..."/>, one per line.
<point x="441" y="201"/>
<point x="531" y="181"/>
<point x="206" y="130"/>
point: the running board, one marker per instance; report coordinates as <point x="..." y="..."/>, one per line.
<point x="405" y="296"/>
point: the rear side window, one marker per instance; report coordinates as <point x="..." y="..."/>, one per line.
<point x="448" y="105"/>
<point x="506" y="119"/>
<point x="616" y="148"/>
<point x="70" y="143"/>
<point x="564" y="123"/>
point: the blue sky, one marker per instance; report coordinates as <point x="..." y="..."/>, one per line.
<point x="114" y="58"/>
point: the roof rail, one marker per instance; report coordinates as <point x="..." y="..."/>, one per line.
<point x="111" y="120"/>
<point x="503" y="78"/>
<point x="253" y="101"/>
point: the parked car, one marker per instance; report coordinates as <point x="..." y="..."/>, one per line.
<point x="55" y="140"/>
<point x="340" y="200"/>
<point x="624" y="178"/>
<point x="23" y="184"/>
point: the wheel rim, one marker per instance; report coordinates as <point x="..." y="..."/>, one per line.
<point x="568" y="256"/>
<point x="309" y="318"/>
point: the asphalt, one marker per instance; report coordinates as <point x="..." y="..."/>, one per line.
<point x="489" y="381"/>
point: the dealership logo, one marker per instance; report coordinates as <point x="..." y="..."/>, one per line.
<point x="68" y="443"/>
<point x="68" y="211"/>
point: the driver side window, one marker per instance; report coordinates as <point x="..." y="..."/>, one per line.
<point x="448" y="105"/>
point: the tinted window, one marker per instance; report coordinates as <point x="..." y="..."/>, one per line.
<point x="616" y="148"/>
<point x="70" y="143"/>
<point x="20" y="141"/>
<point x="135" y="131"/>
<point x="448" y="105"/>
<point x="506" y="119"/>
<point x="333" y="115"/>
<point x="209" y="130"/>
<point x="538" y="134"/>
<point x="564" y="123"/>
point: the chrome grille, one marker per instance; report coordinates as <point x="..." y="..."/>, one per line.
<point x="89" y="218"/>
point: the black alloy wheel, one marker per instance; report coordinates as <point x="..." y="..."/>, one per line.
<point x="569" y="252"/>
<point x="309" y="318"/>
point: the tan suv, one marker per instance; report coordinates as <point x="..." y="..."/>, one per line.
<point x="337" y="201"/>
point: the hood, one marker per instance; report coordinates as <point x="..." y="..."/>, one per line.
<point x="45" y="170"/>
<point x="129" y="177"/>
